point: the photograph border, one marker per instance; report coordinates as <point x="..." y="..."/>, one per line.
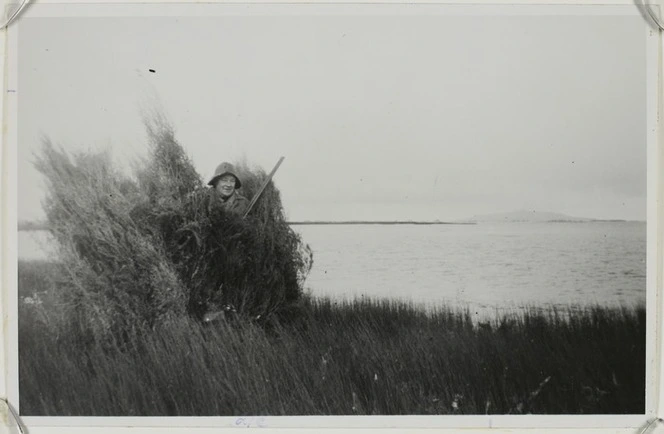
<point x="655" y="217"/>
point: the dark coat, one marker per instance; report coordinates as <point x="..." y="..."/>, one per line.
<point x="237" y="203"/>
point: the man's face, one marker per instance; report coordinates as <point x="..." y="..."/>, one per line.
<point x="226" y="185"/>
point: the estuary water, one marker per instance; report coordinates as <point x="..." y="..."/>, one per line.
<point x="487" y="266"/>
<point x="483" y="266"/>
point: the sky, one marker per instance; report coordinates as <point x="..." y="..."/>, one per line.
<point x="417" y="117"/>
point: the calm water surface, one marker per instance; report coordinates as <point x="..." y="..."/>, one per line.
<point x="483" y="266"/>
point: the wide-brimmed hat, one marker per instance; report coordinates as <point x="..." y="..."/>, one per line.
<point x="225" y="169"/>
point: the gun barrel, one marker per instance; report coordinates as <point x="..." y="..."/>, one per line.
<point x="260" y="190"/>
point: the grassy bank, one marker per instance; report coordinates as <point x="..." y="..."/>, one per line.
<point x="362" y="357"/>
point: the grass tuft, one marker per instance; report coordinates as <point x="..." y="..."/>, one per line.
<point x="135" y="252"/>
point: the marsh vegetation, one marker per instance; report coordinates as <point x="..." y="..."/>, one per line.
<point x="112" y="325"/>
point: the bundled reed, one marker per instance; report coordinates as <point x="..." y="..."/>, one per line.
<point x="135" y="251"/>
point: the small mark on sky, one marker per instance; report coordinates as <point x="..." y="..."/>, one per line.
<point x="152" y="70"/>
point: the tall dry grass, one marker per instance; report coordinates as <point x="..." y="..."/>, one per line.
<point x="135" y="252"/>
<point x="112" y="325"/>
<point x="342" y="358"/>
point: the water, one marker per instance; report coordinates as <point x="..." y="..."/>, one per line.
<point x="484" y="266"/>
<point x="34" y="245"/>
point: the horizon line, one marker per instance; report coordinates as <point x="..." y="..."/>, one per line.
<point x="31" y="225"/>
<point x="379" y="222"/>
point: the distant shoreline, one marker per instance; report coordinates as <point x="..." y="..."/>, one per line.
<point x="43" y="226"/>
<point x="40" y="226"/>
<point x="372" y="222"/>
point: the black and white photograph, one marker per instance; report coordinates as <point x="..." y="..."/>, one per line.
<point x="332" y="210"/>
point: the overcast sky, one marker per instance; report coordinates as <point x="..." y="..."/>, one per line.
<point x="384" y="117"/>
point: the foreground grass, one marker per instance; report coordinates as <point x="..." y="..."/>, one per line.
<point x="362" y="357"/>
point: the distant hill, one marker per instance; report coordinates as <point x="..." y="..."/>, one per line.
<point x="528" y="216"/>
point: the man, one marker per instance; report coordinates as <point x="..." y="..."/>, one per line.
<point x="223" y="193"/>
<point x="225" y="183"/>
